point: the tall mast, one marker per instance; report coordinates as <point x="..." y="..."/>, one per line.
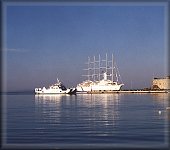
<point x="106" y="63"/>
<point x="112" y="67"/>
<point x="99" y="66"/>
<point x="95" y="66"/>
<point x="88" y="71"/>
<point x="116" y="73"/>
<point x="94" y="69"/>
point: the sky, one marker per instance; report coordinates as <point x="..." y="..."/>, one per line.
<point x="46" y="42"/>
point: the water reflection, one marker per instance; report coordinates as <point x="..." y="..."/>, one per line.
<point x="163" y="100"/>
<point x="161" y="96"/>
<point x="163" y="112"/>
<point x="47" y="107"/>
<point x="103" y="118"/>
<point x="92" y="113"/>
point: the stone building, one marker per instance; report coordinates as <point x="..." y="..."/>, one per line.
<point x="161" y="83"/>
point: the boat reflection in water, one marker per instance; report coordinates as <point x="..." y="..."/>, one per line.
<point x="111" y="119"/>
<point x="82" y="114"/>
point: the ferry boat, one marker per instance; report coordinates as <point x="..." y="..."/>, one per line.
<point x="96" y="69"/>
<point x="57" y="88"/>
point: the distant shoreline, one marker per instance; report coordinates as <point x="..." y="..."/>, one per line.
<point x="18" y="92"/>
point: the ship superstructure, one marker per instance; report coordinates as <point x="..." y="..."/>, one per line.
<point x="101" y="74"/>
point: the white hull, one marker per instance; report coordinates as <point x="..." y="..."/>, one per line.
<point x="102" y="85"/>
<point x="99" y="88"/>
<point x="52" y="91"/>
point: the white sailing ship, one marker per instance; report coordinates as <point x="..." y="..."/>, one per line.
<point x="57" y="88"/>
<point x="97" y="68"/>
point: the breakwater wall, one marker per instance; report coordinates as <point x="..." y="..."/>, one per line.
<point x="128" y="91"/>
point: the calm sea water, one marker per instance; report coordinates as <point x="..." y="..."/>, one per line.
<point x="85" y="120"/>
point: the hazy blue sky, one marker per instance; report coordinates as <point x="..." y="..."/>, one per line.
<point x="50" y="41"/>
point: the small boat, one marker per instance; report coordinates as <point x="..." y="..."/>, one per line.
<point x="57" y="88"/>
